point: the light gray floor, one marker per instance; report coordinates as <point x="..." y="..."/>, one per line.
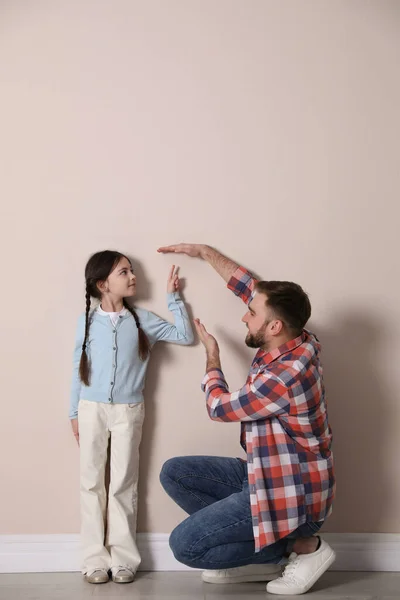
<point x="178" y="585"/>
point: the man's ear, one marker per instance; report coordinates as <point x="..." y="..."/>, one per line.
<point x="276" y="327"/>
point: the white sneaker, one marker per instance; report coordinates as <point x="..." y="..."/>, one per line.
<point x="97" y="576"/>
<point x="263" y="572"/>
<point x="302" y="571"/>
<point x="122" y="575"/>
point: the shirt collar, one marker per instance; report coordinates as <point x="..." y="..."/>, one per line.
<point x="267" y="357"/>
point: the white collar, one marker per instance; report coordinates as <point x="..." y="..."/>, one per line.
<point x="103" y="313"/>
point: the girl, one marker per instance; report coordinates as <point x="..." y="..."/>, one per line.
<point x="112" y="350"/>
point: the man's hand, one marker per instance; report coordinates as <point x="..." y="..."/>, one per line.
<point x="75" y="429"/>
<point x="173" y="281"/>
<point x="223" y="265"/>
<point x="210" y="344"/>
<point x="194" y="250"/>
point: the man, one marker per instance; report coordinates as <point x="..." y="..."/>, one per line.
<point x="249" y="517"/>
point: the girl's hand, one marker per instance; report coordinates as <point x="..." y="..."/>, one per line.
<point x="173" y="281"/>
<point x="75" y="429"/>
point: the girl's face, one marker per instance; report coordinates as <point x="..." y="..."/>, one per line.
<point x="121" y="283"/>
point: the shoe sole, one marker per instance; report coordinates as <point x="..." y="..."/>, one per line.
<point x="242" y="578"/>
<point x="287" y="592"/>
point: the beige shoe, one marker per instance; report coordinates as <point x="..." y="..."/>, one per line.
<point x="122" y="575"/>
<point x="97" y="576"/>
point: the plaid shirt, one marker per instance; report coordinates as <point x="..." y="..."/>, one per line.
<point x="284" y="430"/>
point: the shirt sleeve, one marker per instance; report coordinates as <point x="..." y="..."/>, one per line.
<point x="76" y="382"/>
<point x="263" y="397"/>
<point x="180" y="332"/>
<point x="242" y="284"/>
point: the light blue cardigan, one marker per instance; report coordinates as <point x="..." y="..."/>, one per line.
<point x="117" y="374"/>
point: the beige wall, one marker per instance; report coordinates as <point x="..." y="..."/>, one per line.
<point x="267" y="129"/>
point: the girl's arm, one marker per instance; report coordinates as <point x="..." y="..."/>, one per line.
<point x="76" y="382"/>
<point x="180" y="332"/>
<point x="159" y="330"/>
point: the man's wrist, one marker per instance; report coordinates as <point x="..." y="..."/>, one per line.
<point x="213" y="361"/>
<point x="202" y="251"/>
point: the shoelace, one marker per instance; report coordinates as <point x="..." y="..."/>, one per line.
<point x="97" y="571"/>
<point x="123" y="569"/>
<point x="290" y="569"/>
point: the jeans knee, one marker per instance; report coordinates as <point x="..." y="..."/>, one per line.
<point x="181" y="543"/>
<point x="167" y="471"/>
<point x="172" y="470"/>
<point x="174" y="543"/>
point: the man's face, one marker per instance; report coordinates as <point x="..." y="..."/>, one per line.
<point x="258" y="320"/>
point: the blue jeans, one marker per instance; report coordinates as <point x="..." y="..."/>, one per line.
<point x="218" y="534"/>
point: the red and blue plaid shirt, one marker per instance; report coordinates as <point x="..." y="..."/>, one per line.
<point x="284" y="430"/>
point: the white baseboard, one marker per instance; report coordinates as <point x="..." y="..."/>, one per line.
<point x="60" y="553"/>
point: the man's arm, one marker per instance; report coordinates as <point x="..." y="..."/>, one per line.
<point x="223" y="265"/>
<point x="210" y="344"/>
<point x="266" y="396"/>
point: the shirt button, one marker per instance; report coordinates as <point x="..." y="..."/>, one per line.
<point x="114" y="331"/>
<point x="120" y="316"/>
<point x="114" y="348"/>
<point x="112" y="383"/>
<point x="109" y="399"/>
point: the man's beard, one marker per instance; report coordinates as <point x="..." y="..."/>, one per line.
<point x="256" y="340"/>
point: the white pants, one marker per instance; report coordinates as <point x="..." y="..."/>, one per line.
<point x="109" y="542"/>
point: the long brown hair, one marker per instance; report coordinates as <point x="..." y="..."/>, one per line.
<point x="98" y="268"/>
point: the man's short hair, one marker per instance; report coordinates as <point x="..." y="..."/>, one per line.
<point x="288" y="301"/>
